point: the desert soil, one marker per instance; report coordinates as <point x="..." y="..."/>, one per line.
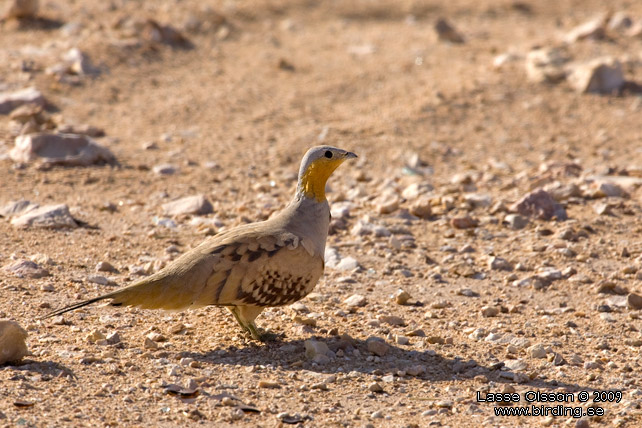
<point x="550" y="307"/>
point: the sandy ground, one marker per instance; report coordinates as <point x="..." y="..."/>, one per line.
<point x="233" y="109"/>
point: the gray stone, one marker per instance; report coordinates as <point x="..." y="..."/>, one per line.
<point x="347" y="264"/>
<point x="490" y="311"/>
<point x="25" y="269"/>
<point x="537" y="351"/>
<point x="49" y="216"/>
<point x="15" y="208"/>
<point x="60" y="149"/>
<point x="540" y="204"/>
<point x="165" y="169"/>
<point x="105" y="267"/>
<point x="593" y="29"/>
<point x="545" y="65"/>
<point x="377" y="346"/>
<point x="600" y="76"/>
<point x="498" y="263"/>
<point x="197" y="204"/>
<point x="12" y="100"/>
<point x="355" y="301"/>
<point x="516" y="221"/>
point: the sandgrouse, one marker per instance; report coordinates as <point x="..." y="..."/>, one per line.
<point x="248" y="268"/>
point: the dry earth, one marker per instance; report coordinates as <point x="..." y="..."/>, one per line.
<point x="232" y="106"/>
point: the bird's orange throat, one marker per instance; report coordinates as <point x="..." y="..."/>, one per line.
<point x="312" y="182"/>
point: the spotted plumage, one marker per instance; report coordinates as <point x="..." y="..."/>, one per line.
<point x="248" y="268"/>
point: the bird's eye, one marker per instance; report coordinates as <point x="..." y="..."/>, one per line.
<point x="328" y="154"/>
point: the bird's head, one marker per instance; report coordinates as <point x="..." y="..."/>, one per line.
<point x="316" y="167"/>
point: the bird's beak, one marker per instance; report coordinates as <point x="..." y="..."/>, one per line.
<point x="350" y="155"/>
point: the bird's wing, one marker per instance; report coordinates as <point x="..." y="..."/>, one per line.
<point x="225" y="271"/>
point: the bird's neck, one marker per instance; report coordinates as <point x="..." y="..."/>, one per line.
<point x="312" y="181"/>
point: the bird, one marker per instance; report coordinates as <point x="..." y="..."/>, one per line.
<point x="251" y="267"/>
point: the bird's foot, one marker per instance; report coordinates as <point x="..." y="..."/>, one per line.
<point x="263" y="335"/>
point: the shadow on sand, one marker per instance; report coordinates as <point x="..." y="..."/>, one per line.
<point x="428" y="365"/>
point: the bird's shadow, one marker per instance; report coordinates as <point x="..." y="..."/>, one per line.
<point x="423" y="364"/>
<point x="45" y="368"/>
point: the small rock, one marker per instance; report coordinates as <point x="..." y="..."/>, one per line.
<point x="49" y="216"/>
<point x="583" y="423"/>
<point x="15" y="208"/>
<point x="164" y="222"/>
<point x="376" y="415"/>
<point x="304" y="320"/>
<point x="375" y="387"/>
<point x="47" y="287"/>
<point x="416" y="370"/>
<point x="153" y="31"/>
<point x="603" y="208"/>
<point x="498" y="263"/>
<point x="269" y="384"/>
<point x="402" y="297"/>
<point x="446" y="32"/>
<point x="620" y="21"/>
<point x="25" y="269"/>
<point x="156" y="337"/>
<point x="401" y="340"/>
<point x="593" y="29"/>
<point x="600" y="76"/>
<point x="499" y="61"/>
<point x="477" y="200"/>
<point x="417" y="190"/>
<point x="537" y="351"/>
<point x="608" y="190"/>
<point x="316" y="351"/>
<point x="113" y="338"/>
<point x="387" y="204"/>
<point x="95" y="336"/>
<point x="99" y="279"/>
<point x="197" y="204"/>
<point x="12" y="100"/>
<point x="391" y="320"/>
<point x="421" y="208"/>
<point x="78" y="62"/>
<point x="12" y="342"/>
<point x="634" y="301"/>
<point x="60" y="149"/>
<point x="465" y="222"/>
<point x="539" y="204"/>
<point x="105" y="267"/>
<point x="347" y="264"/>
<point x="490" y="311"/>
<point x="355" y="301"/>
<point x="88" y="130"/>
<point x="515" y="365"/>
<point x="416" y="333"/>
<point x="545" y="65"/>
<point x="165" y="169"/>
<point x="516" y="221"/>
<point x="467" y="292"/>
<point x="290" y="419"/>
<point x="377" y="346"/>
<point x="150" y="344"/>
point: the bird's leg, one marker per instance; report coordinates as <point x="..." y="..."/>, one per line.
<point x="247" y="315"/>
<point x="237" y="316"/>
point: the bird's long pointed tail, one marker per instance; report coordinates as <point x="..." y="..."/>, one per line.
<point x="77" y="306"/>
